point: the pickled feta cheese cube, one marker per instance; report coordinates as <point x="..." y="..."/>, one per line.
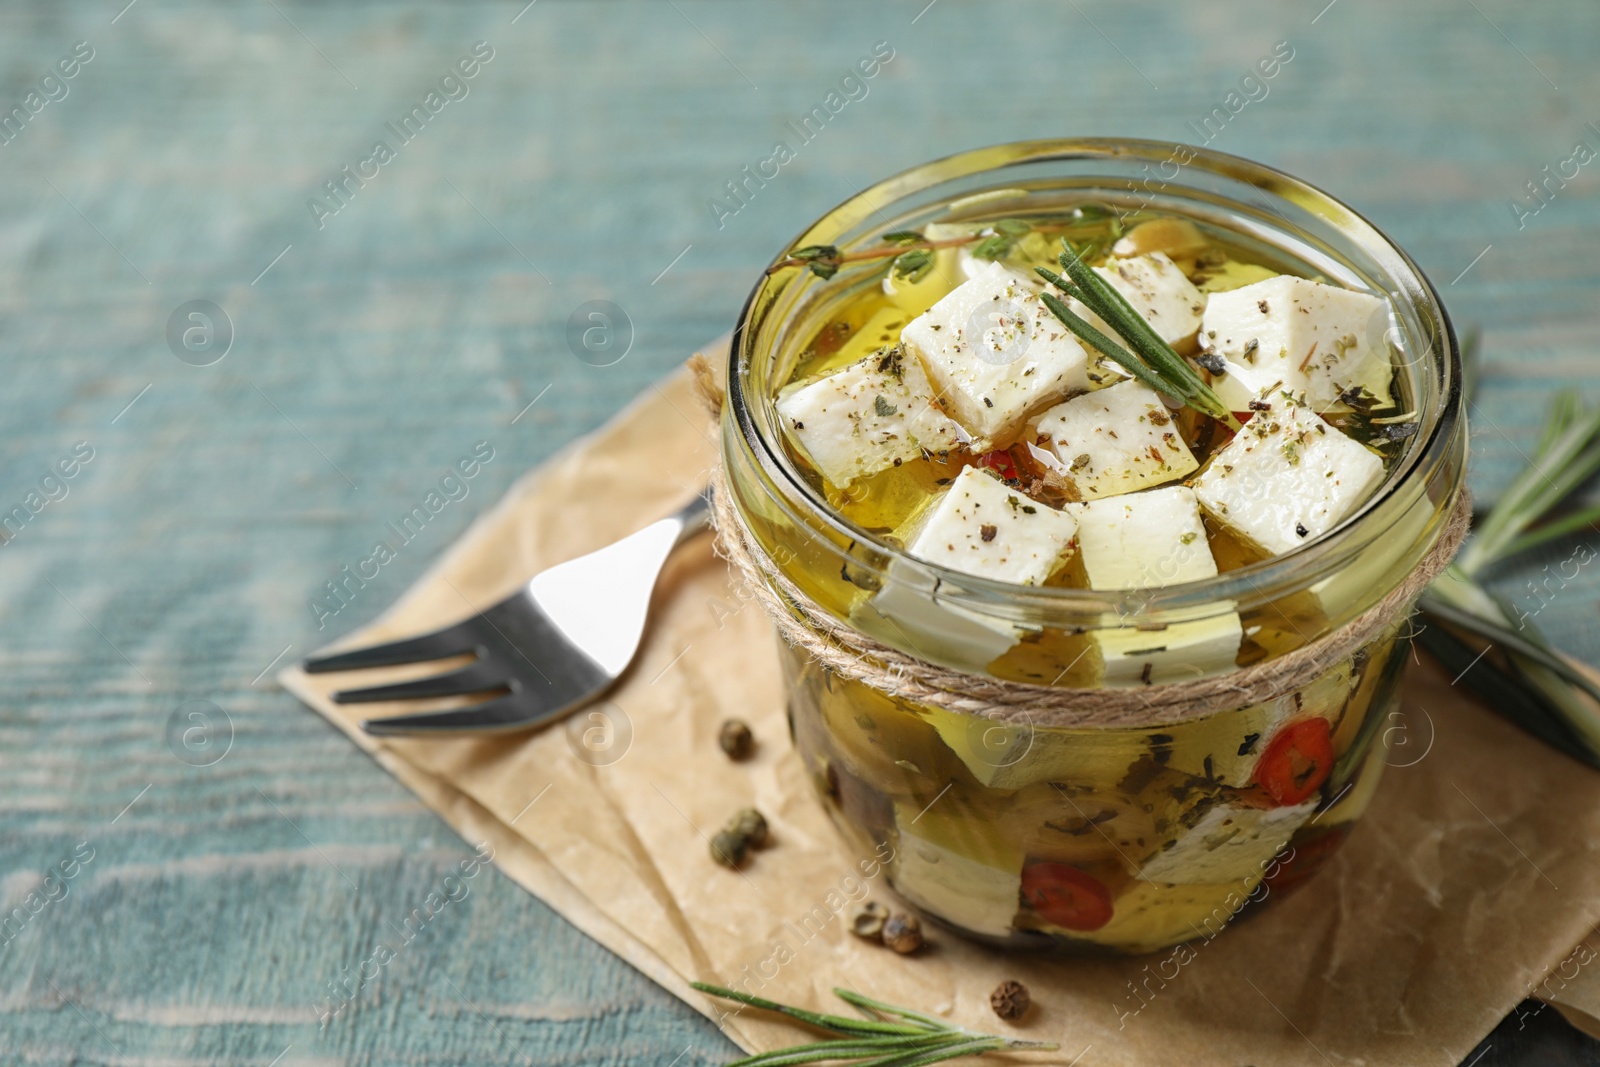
<point x="1014" y="755"/>
<point x="1178" y="652"/>
<point x="908" y="608"/>
<point x="1299" y="335"/>
<point x="1230" y="844"/>
<point x="875" y="413"/>
<point x="1158" y="290"/>
<point x="1144" y="540"/>
<point x="949" y="864"/>
<point x="1111" y="441"/>
<point x="982" y="526"/>
<point x="1147" y="540"/>
<point x="996" y="354"/>
<point x="1287" y="476"/>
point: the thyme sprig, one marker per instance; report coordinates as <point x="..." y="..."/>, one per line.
<point x="910" y="251"/>
<point x="1151" y="360"/>
<point x="1538" y="689"/>
<point x="885" y="1036"/>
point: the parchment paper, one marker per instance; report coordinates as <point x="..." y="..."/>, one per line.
<point x="1464" y="888"/>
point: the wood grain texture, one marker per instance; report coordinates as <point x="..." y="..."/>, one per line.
<point x="432" y="309"/>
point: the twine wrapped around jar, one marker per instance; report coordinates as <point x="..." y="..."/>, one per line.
<point x="849" y="653"/>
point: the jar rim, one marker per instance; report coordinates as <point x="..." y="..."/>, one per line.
<point x="1425" y="452"/>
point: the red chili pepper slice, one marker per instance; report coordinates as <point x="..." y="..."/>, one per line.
<point x="1063" y="895"/>
<point x="1001" y="462"/>
<point x="1296" y="761"/>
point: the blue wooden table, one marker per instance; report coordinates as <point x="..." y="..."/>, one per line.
<point x="254" y="338"/>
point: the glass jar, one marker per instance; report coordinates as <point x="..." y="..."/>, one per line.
<point x="1095" y="838"/>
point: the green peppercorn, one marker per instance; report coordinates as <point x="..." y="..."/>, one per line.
<point x="736" y="739"/>
<point x="750" y="825"/>
<point x="903" y="933"/>
<point x="867" y="920"/>
<point x="729" y="847"/>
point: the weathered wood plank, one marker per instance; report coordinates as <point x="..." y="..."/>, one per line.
<point x="430" y="310"/>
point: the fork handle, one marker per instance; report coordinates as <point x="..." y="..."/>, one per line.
<point x="693" y="517"/>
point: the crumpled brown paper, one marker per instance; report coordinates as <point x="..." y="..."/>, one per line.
<point x="1468" y="883"/>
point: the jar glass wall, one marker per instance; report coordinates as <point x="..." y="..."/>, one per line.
<point x="1124" y="838"/>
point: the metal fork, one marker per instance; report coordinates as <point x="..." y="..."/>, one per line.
<point x="547" y="649"/>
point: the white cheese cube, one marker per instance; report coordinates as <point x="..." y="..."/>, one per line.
<point x="1157" y="290"/>
<point x="1287" y="476"/>
<point x="996" y="354"/>
<point x="1147" y="540"/>
<point x="948" y="865"/>
<point x="1230" y="844"/>
<point x="872" y="414"/>
<point x="1143" y="540"/>
<point x="1299" y="335"/>
<point x="1179" y="652"/>
<point x="1112" y="441"/>
<point x="982" y="526"/>
<point x="1014" y="755"/>
<point x="908" y="609"/>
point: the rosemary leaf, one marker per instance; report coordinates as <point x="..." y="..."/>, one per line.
<point x="845" y="1049"/>
<point x="902" y="237"/>
<point x="868" y="1004"/>
<point x="954" y="1046"/>
<point x="1064" y="284"/>
<point x="870" y="1042"/>
<point x="837" y="1023"/>
<point x="1103" y="298"/>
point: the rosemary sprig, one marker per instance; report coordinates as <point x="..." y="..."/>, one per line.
<point x="1542" y="693"/>
<point x="1151" y="360"/>
<point x="888" y="1036"/>
<point x="1132" y="364"/>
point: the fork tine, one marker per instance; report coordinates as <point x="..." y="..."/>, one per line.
<point x="507" y="713"/>
<point x="473" y="678"/>
<point x="452" y="641"/>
